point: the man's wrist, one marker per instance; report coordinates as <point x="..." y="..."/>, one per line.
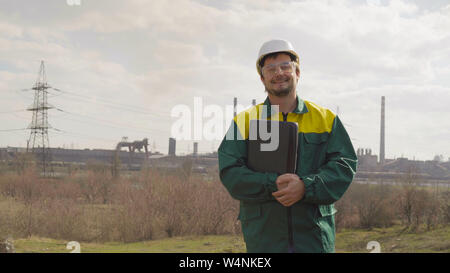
<point x="308" y="182"/>
<point x="271" y="184"/>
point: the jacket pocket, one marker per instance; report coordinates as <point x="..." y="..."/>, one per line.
<point x="313" y="152"/>
<point x="249" y="212"/>
<point x="314" y="138"/>
<point x="252" y="227"/>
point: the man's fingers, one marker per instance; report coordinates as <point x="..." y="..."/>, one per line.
<point x="284" y="201"/>
<point x="284" y="177"/>
<point x="281" y="198"/>
<point x="283" y="180"/>
<point x="282" y="185"/>
<point x="279" y="193"/>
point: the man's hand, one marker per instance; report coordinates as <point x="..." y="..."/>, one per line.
<point x="290" y="189"/>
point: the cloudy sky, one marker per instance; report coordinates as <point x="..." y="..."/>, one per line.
<point x="123" y="66"/>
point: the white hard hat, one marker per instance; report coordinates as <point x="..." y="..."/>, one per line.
<point x="273" y="46"/>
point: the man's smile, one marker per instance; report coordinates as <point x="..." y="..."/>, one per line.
<point x="280" y="81"/>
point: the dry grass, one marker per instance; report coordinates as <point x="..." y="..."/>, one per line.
<point x="382" y="206"/>
<point x="96" y="206"/>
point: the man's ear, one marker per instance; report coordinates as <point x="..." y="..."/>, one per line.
<point x="262" y="78"/>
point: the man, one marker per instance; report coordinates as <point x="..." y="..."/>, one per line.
<point x="326" y="164"/>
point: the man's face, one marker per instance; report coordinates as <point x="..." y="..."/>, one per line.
<point x="280" y="83"/>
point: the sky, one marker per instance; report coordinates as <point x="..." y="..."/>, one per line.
<point x="123" y="66"/>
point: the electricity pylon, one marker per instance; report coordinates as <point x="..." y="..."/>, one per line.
<point x="39" y="141"/>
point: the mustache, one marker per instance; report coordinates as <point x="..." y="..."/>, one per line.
<point x="281" y="79"/>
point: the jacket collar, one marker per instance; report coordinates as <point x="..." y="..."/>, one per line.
<point x="300" y="109"/>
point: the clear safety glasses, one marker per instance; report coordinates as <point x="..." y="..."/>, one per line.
<point x="272" y="69"/>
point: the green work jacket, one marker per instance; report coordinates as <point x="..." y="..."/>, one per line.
<point x="326" y="162"/>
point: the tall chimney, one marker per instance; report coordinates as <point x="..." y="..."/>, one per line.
<point x="235" y="105"/>
<point x="172" y="146"/>
<point x="382" y="132"/>
<point x="195" y="148"/>
<point x="253" y="102"/>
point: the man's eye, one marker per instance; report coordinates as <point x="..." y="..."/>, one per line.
<point x="285" y="66"/>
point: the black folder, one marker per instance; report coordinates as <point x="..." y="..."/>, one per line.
<point x="281" y="160"/>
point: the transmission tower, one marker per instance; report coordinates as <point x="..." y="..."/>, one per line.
<point x="39" y="141"/>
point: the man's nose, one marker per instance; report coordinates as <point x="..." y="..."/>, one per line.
<point x="278" y="70"/>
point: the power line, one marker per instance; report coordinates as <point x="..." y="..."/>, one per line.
<point x="12" y="111"/>
<point x="83" y="135"/>
<point x="11" y="130"/>
<point x="109" y="103"/>
<point x="114" y="124"/>
<point x="100" y="121"/>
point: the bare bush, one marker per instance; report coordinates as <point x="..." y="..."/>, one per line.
<point x="96" y="186"/>
<point x="346" y="216"/>
<point x="372" y="203"/>
<point x="366" y="206"/>
<point x="96" y="206"/>
<point x="62" y="219"/>
<point x="432" y="212"/>
<point x="417" y="205"/>
<point x="29" y="190"/>
<point x="445" y="207"/>
<point x="174" y="200"/>
<point x="24" y="162"/>
<point x="133" y="208"/>
<point x="214" y="209"/>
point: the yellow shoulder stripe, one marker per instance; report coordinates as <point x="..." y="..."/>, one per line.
<point x="317" y="120"/>
<point x="242" y="119"/>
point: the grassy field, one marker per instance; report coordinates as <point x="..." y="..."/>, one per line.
<point x="160" y="211"/>
<point x="198" y="244"/>
<point x="395" y="239"/>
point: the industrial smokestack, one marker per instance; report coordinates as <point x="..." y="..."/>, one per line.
<point x="172" y="146"/>
<point x="382" y="132"/>
<point x="235" y="105"/>
<point x="253" y="102"/>
<point x="195" y="148"/>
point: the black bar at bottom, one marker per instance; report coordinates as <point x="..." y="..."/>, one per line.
<point x="220" y="262"/>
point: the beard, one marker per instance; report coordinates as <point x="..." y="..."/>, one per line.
<point x="281" y="92"/>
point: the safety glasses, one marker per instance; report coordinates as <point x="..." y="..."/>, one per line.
<point x="272" y="69"/>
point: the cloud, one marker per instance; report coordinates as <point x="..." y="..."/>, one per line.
<point x="10" y="30"/>
<point x="155" y="56"/>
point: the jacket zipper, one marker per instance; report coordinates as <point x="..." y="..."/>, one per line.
<point x="289" y="215"/>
